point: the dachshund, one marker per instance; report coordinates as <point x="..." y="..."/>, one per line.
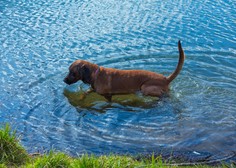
<point x="109" y="81"/>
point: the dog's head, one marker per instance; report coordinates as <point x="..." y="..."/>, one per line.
<point x="79" y="70"/>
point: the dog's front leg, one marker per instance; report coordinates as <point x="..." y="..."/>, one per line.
<point x="108" y="97"/>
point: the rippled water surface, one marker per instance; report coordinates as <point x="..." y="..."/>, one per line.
<point x="40" y="39"/>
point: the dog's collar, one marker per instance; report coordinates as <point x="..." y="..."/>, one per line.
<point x="97" y="72"/>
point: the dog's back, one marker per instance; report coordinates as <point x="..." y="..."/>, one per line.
<point x="117" y="81"/>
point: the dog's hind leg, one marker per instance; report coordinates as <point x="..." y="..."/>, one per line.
<point x="151" y="90"/>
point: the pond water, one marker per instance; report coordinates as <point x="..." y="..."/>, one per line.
<point x="40" y="39"/>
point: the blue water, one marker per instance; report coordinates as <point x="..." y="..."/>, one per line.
<point x="40" y="39"/>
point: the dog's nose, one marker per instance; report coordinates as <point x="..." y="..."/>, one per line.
<point x="66" y="80"/>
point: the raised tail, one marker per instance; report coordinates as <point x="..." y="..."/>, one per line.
<point x="180" y="64"/>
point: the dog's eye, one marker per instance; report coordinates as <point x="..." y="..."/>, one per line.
<point x="72" y="74"/>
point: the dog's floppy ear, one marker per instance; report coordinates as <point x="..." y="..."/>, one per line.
<point x="85" y="74"/>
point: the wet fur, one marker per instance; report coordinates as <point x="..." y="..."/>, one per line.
<point x="110" y="81"/>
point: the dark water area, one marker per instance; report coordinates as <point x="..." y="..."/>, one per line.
<point x="40" y="39"/>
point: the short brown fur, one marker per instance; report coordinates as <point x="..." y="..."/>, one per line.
<point x="109" y="81"/>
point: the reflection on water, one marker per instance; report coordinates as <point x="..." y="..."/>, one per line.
<point x="95" y="101"/>
<point x="40" y="39"/>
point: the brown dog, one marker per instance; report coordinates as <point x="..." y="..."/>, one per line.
<point x="109" y="81"/>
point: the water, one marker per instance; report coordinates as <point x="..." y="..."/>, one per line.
<point x="40" y="39"/>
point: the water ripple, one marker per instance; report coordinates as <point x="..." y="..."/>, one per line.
<point x="39" y="39"/>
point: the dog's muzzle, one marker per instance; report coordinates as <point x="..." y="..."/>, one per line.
<point x="67" y="81"/>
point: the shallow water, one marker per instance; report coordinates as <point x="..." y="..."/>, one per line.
<point x="40" y="39"/>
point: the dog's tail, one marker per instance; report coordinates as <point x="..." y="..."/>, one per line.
<point x="179" y="66"/>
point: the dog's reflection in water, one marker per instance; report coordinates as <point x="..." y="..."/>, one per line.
<point x="93" y="100"/>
